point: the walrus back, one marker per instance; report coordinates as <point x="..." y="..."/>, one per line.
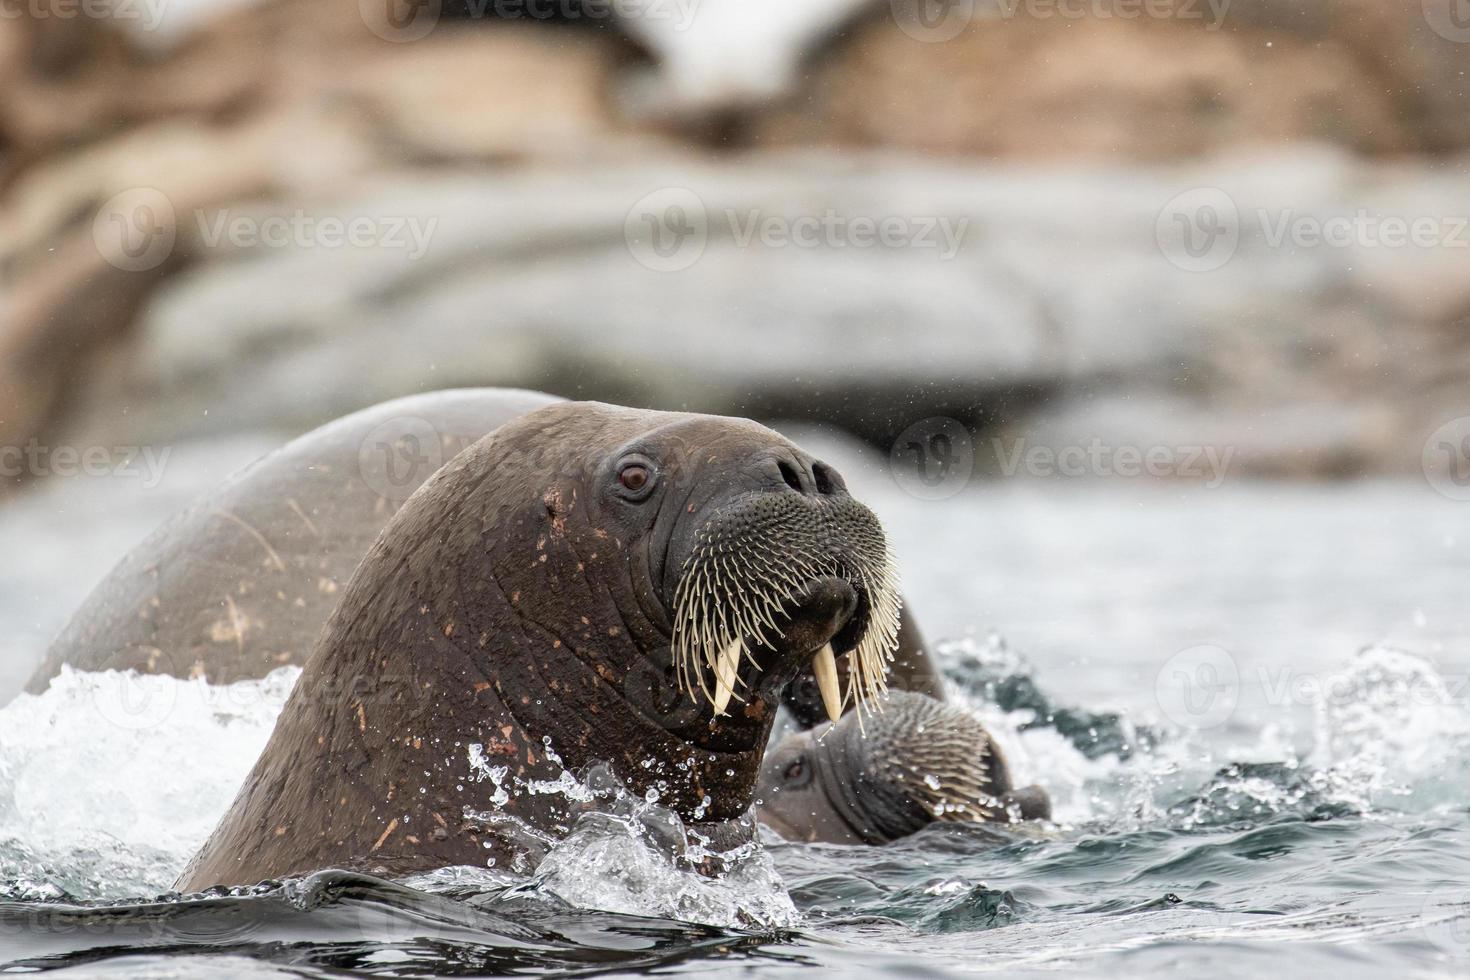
<point x="242" y="581"/>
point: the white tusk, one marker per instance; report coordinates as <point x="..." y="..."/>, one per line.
<point x="727" y="669"/>
<point x="824" y="665"/>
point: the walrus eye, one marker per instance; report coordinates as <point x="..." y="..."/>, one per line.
<point x="796" y="773"/>
<point x="636" y="480"/>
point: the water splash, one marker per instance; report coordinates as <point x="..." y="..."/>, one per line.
<point x="110" y="781"/>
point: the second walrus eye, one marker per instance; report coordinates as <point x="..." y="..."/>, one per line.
<point x="635" y="478"/>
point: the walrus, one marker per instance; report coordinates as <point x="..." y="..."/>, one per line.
<point x="875" y="780"/>
<point x="585" y="585"/>
<point x="243" y="581"/>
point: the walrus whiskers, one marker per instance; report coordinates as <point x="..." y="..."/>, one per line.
<point x="745" y="568"/>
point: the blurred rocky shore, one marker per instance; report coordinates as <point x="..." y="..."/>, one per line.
<point x="1239" y="225"/>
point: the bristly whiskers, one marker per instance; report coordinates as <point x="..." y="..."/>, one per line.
<point x="750" y="562"/>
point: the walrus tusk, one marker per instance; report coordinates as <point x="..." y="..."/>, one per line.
<point x="824" y="665"/>
<point x="727" y="668"/>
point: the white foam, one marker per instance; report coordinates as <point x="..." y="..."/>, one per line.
<point x="109" y="782"/>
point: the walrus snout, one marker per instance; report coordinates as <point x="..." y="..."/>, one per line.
<point x="821" y="612"/>
<point x="788" y="571"/>
<point x="825" y="609"/>
<point x="795" y="470"/>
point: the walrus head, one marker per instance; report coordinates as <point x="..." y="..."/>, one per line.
<point x="732" y="559"/>
<point x="587" y="584"/>
<point x="917" y="761"/>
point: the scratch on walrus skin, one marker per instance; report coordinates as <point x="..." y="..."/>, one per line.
<point x="291" y="502"/>
<point x="260" y="538"/>
<point x="237" y="624"/>
<point x="386" y="834"/>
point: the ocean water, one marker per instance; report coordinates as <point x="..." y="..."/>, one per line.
<point x="1250" y="704"/>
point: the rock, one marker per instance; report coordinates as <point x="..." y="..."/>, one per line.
<point x="1021" y="79"/>
<point x="1056" y="284"/>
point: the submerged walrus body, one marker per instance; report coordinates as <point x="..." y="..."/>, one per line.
<point x="401" y="724"/>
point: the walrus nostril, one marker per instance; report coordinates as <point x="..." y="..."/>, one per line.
<point x="789" y="476"/>
<point x="825" y="479"/>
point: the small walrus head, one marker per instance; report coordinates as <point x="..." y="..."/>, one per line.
<point x="870" y="781"/>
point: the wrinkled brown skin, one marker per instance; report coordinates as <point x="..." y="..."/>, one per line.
<point x="242" y="582"/>
<point x="514" y="604"/>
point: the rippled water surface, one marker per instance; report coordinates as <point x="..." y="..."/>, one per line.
<point x="1250" y="706"/>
